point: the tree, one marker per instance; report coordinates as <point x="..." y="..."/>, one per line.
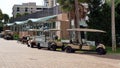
<point x="25" y="14"/>
<point x="5" y="18"/>
<point x="69" y="6"/>
<point x="18" y="15"/>
<point x="100" y="18"/>
<point x="1" y="18"/>
<point x="1" y="15"/>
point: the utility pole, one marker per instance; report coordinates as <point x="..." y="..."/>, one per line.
<point x="113" y="26"/>
<point x="77" y="20"/>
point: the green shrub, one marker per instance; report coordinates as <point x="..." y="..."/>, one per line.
<point x="15" y="36"/>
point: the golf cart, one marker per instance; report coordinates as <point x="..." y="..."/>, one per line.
<point x="75" y="45"/>
<point x="35" y="41"/>
<point x="8" y="35"/>
<point x="54" y="43"/>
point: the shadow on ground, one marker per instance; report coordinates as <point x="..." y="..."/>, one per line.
<point x="92" y="53"/>
<point x="109" y="56"/>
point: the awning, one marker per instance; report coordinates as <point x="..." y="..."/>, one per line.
<point x="34" y="19"/>
<point x="10" y="24"/>
<point x="86" y="30"/>
<point x="43" y="19"/>
<point x="20" y="22"/>
<point x="8" y="30"/>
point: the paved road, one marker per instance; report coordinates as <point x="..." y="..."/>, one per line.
<point x="14" y="55"/>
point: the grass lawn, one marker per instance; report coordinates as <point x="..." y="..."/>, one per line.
<point x="109" y="50"/>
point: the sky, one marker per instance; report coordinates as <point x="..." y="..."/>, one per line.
<point x="6" y="5"/>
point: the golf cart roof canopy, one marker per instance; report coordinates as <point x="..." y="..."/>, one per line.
<point x="86" y="30"/>
<point x="8" y="30"/>
<point x="35" y="30"/>
<point x="54" y="30"/>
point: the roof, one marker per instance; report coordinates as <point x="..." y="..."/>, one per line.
<point x="34" y="20"/>
<point x="8" y="30"/>
<point x="10" y="24"/>
<point x="20" y="22"/>
<point x="86" y="30"/>
<point x="43" y="19"/>
<point x="35" y="30"/>
<point x="54" y="29"/>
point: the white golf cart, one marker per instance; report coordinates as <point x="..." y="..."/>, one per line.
<point x="53" y="42"/>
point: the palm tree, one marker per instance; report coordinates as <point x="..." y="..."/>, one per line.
<point x="1" y="18"/>
<point x="114" y="3"/>
<point x="18" y="15"/>
<point x="113" y="27"/>
<point x="73" y="8"/>
<point x="5" y="18"/>
<point x="1" y="15"/>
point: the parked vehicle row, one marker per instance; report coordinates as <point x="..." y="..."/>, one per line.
<point x="52" y="43"/>
<point x="68" y="47"/>
<point x="42" y="42"/>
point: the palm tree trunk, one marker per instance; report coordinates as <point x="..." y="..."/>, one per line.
<point x="77" y="21"/>
<point x="69" y="17"/>
<point x="113" y="27"/>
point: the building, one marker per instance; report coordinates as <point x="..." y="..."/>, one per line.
<point x="26" y="8"/>
<point x="50" y="3"/>
<point x="45" y="12"/>
<point x="61" y="22"/>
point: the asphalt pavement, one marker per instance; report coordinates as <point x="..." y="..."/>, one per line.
<point x="17" y="55"/>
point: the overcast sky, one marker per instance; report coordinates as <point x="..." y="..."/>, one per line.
<point x="6" y="5"/>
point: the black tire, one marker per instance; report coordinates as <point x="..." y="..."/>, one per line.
<point x="49" y="46"/>
<point x="101" y="51"/>
<point x="28" y="45"/>
<point x="53" y="47"/>
<point x="38" y="46"/>
<point x="68" y="49"/>
<point x="31" y="46"/>
<point x="63" y="48"/>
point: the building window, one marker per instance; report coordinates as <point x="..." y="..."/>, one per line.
<point x="38" y="8"/>
<point x="26" y="9"/>
<point x="18" y="9"/>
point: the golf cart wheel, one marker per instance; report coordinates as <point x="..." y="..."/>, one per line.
<point x="53" y="47"/>
<point x="28" y="45"/>
<point x="49" y="46"/>
<point x="63" y="48"/>
<point x="38" y="46"/>
<point x="31" y="46"/>
<point x="69" y="50"/>
<point x="101" y="51"/>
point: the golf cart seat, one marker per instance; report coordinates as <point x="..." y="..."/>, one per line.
<point x="58" y="43"/>
<point x="74" y="46"/>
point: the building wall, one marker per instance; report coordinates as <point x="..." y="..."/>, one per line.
<point x="45" y="12"/>
<point x="64" y="25"/>
<point x="30" y="7"/>
<point x="50" y="3"/>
